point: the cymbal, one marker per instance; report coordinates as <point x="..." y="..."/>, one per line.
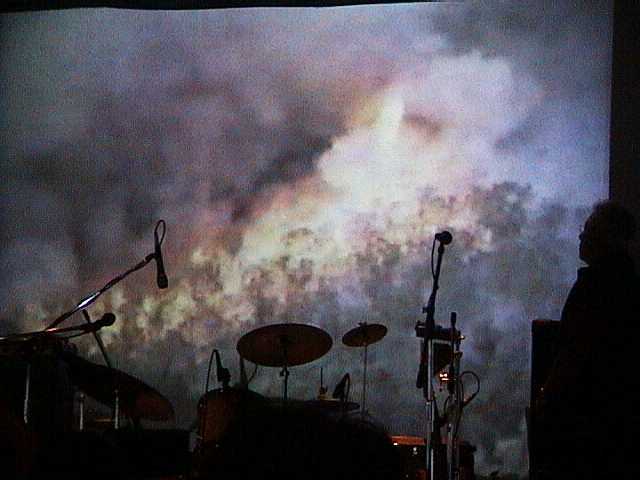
<point x="284" y="343"/>
<point x="365" y="334"/>
<point x="136" y="398"/>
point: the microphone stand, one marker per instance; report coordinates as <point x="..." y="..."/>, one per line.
<point x="85" y="302"/>
<point x="85" y="314"/>
<point x="455" y="397"/>
<point x="426" y="330"/>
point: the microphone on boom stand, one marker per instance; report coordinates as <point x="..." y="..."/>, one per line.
<point x="444" y="237"/>
<point x="427" y="331"/>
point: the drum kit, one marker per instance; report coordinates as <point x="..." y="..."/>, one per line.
<point x="45" y="410"/>
<point x="44" y="375"/>
<point x="283" y="346"/>
<point x="290" y="344"/>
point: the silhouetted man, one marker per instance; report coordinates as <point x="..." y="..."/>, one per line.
<point x="588" y="409"/>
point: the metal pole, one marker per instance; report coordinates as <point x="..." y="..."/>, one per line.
<point x="81" y="424"/>
<point x="431" y="416"/>
<point x="27" y="387"/>
<point x="364" y="382"/>
<point x="116" y="413"/>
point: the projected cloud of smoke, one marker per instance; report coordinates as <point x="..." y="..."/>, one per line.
<point x="303" y="161"/>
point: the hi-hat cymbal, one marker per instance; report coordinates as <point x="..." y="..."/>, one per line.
<point x="283" y="344"/>
<point x="365" y="334"/>
<point x="136" y="398"/>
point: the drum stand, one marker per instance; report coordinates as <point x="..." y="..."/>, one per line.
<point x="27" y="387"/>
<point x="364" y="380"/>
<point x="363" y="335"/>
<point x="116" y="393"/>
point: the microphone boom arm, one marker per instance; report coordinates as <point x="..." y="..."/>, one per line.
<point x="85" y="302"/>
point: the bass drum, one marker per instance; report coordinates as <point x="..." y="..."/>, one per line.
<point x="218" y="408"/>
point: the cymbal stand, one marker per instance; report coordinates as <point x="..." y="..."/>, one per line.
<point x="27" y="394"/>
<point x="364" y="375"/>
<point x="81" y="412"/>
<point x="285" y="370"/>
<point x="116" y="409"/>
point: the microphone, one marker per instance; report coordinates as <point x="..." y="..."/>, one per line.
<point x="162" y="280"/>
<point x="107" y="320"/>
<point x="444" y="237"/>
<point x="338" y="392"/>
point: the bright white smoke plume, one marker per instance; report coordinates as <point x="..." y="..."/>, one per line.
<point x="303" y="160"/>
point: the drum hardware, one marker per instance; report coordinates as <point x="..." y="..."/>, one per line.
<point x="284" y="345"/>
<point x="27" y="387"/>
<point x="81" y="398"/>
<point x="116" y="409"/>
<point x="322" y="391"/>
<point x="110" y="386"/>
<point x="222" y="374"/>
<point x="107" y="385"/>
<point x="53" y="341"/>
<point x="362" y="336"/>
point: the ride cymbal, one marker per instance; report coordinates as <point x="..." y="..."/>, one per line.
<point x="283" y="344"/>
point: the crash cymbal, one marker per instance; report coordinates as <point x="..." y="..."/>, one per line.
<point x="283" y="344"/>
<point x="365" y="334"/>
<point x="136" y="398"/>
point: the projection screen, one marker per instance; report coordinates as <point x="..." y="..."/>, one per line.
<point x="303" y="160"/>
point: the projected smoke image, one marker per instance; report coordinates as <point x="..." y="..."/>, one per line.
<point x="303" y="160"/>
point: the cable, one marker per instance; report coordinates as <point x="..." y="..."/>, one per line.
<point x="164" y="231"/>
<point x="468" y="400"/>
